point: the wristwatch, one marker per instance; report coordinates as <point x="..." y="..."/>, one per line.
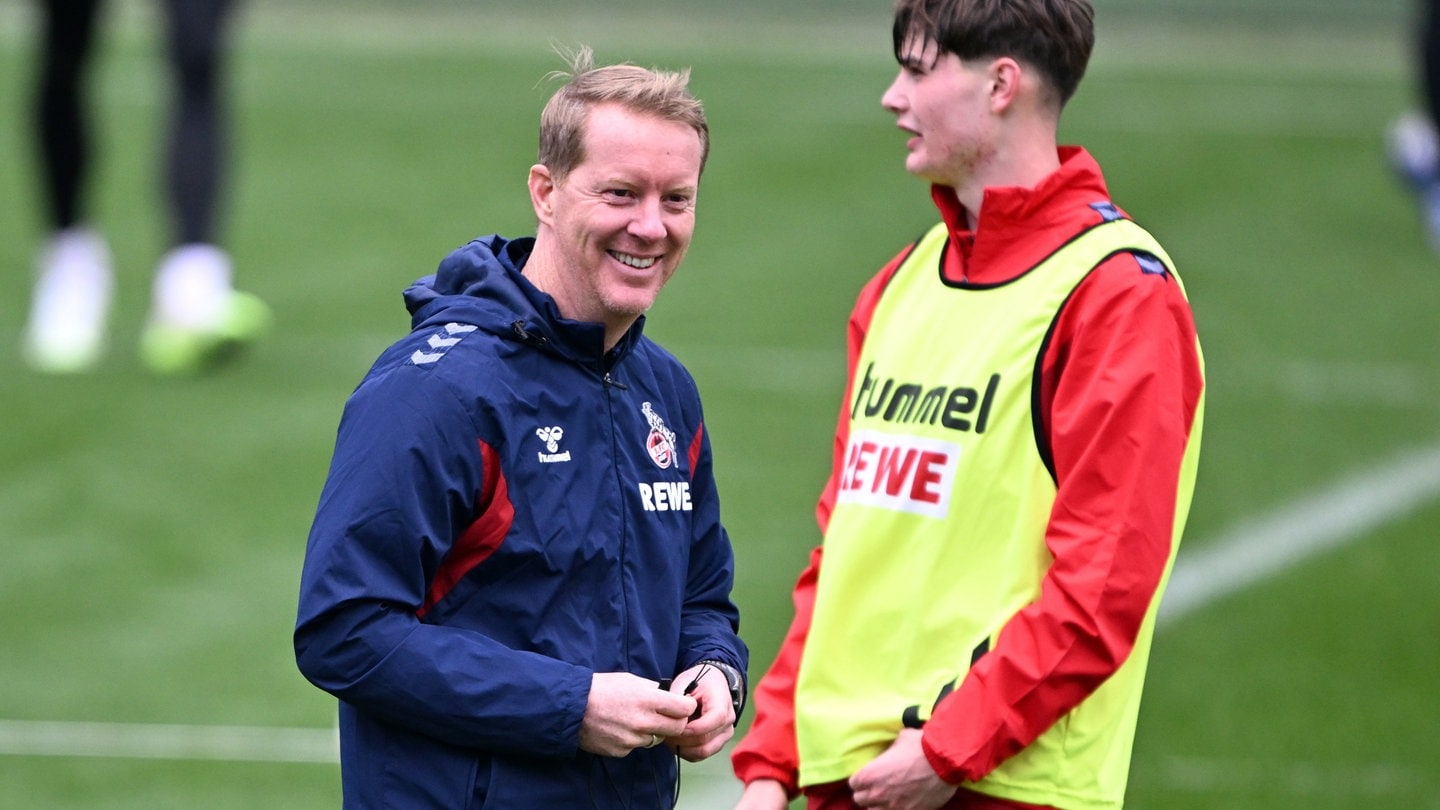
<point x="736" y="682"/>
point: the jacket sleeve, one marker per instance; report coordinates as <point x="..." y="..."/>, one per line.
<point x="403" y="484"/>
<point x="769" y="749"/>
<point x="709" y="622"/>
<point x="1119" y="390"/>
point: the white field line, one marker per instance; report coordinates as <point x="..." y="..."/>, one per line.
<point x="1317" y="522"/>
<point x="1248" y="554"/>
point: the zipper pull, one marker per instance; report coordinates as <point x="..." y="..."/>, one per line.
<point x="525" y="336"/>
<point x="612" y="381"/>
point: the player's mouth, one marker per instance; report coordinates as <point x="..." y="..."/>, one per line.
<point x="913" y="138"/>
<point x="631" y="260"/>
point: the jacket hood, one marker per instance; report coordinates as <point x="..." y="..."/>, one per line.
<point x="479" y="283"/>
<point x="482" y="284"/>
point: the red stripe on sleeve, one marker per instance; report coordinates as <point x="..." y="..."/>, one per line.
<point x="482" y="537"/>
<point x="695" y="445"/>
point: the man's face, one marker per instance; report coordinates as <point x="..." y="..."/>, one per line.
<point x="622" y="219"/>
<point x="944" y="104"/>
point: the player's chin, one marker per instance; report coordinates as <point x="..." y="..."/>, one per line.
<point x="632" y="301"/>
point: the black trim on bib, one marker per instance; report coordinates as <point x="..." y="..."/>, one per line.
<point x="1148" y="263"/>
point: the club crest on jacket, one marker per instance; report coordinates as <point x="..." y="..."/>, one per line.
<point x="661" y="441"/>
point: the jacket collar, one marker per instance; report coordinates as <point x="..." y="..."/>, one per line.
<point x="482" y="283"/>
<point x="1018" y="227"/>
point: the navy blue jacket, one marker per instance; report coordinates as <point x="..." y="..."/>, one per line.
<point x="509" y="509"/>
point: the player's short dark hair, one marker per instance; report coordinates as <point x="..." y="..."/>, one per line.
<point x="1053" y="36"/>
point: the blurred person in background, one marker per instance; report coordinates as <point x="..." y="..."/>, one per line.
<point x="517" y="582"/>
<point x="1013" y="463"/>
<point x="1411" y="142"/>
<point x="196" y="316"/>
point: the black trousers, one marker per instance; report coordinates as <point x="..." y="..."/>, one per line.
<point x="193" y="158"/>
<point x="1429" y="52"/>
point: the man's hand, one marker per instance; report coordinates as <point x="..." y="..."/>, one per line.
<point x="705" y="735"/>
<point x="625" y="712"/>
<point x="901" y="778"/>
<point x="763" y="794"/>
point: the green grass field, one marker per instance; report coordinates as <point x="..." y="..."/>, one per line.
<point x="151" y="532"/>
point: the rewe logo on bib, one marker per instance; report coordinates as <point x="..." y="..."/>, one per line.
<point x="906" y="473"/>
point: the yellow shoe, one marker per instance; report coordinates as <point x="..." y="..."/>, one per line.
<point x="176" y="351"/>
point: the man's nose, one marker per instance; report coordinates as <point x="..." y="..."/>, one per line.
<point x="648" y="223"/>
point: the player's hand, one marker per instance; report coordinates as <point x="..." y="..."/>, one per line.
<point x="763" y="794"/>
<point x="625" y="712"/>
<point x="707" y="732"/>
<point x="901" y="778"/>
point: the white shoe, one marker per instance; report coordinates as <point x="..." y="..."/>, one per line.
<point x="1414" y="149"/>
<point x="71" y="303"/>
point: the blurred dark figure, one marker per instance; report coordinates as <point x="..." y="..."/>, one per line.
<point x="195" y="313"/>
<point x="1412" y="141"/>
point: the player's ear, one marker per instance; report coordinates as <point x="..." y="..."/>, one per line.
<point x="1005" y="76"/>
<point x="542" y="192"/>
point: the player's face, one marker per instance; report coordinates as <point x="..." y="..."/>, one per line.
<point x="623" y="217"/>
<point x="944" y="104"/>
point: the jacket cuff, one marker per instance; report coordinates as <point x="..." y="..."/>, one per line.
<point x="948" y="773"/>
<point x="752" y="769"/>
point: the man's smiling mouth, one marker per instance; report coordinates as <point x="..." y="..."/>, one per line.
<point x="638" y="262"/>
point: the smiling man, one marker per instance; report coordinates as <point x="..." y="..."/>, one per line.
<point x="1013" y="462"/>
<point x="517" y="582"/>
<point x="614" y="228"/>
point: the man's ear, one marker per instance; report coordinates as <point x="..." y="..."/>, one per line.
<point x="542" y="192"/>
<point x="1005" y="77"/>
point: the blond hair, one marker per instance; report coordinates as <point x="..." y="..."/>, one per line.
<point x="653" y="92"/>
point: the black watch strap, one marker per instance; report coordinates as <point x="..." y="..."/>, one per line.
<point x="736" y="682"/>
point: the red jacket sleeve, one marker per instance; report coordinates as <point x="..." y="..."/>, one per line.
<point x="768" y="750"/>
<point x="1120" y="383"/>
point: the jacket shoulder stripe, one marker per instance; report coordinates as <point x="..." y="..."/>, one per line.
<point x="440" y="341"/>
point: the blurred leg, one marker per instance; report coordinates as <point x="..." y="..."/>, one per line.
<point x="62" y="125"/>
<point x="197" y="318"/>
<point x="1411" y="142"/>
<point x="196" y="157"/>
<point x="1429" y="47"/>
<point x="71" y="299"/>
